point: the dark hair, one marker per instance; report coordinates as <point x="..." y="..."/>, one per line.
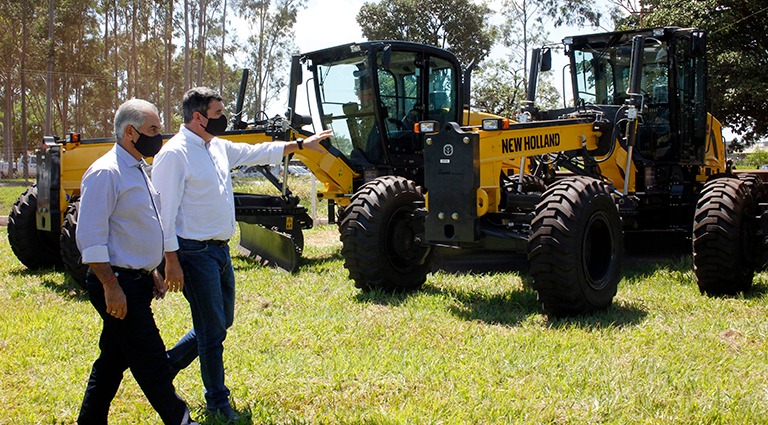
<point x="197" y="99"/>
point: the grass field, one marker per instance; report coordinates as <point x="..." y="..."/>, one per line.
<point x="9" y="191"/>
<point x="469" y="348"/>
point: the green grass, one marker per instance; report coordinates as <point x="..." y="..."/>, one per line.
<point x="10" y="191"/>
<point x="467" y="348"/>
<point x="298" y="185"/>
<point x="309" y="348"/>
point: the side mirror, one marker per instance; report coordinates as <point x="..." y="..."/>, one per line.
<point x="698" y="44"/>
<point x="297" y="78"/>
<point x="546" y="59"/>
<point x="237" y="118"/>
<point x="296" y="72"/>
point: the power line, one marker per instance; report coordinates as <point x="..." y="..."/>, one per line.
<point x="740" y="20"/>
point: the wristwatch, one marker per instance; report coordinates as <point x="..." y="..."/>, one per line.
<point x="300" y="143"/>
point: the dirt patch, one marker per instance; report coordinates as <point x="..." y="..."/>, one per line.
<point x="323" y="237"/>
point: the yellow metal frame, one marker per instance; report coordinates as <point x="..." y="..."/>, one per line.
<point x="506" y="149"/>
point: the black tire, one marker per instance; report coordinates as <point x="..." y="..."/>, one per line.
<point x="36" y="249"/>
<point x="381" y="236"/>
<point x="724" y="237"/>
<point x="70" y="253"/>
<point x="755" y="186"/>
<point x="575" y="248"/>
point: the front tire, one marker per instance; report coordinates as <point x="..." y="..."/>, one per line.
<point x="36" y="249"/>
<point x="724" y="237"/>
<point x="381" y="236"/>
<point x="575" y="248"/>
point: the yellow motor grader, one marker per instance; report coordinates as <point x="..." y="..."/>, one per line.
<point x="636" y="152"/>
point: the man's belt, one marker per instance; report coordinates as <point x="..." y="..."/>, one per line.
<point x="216" y="242"/>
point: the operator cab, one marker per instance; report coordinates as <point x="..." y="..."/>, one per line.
<point x="672" y="85"/>
<point x="654" y="78"/>
<point x="372" y="94"/>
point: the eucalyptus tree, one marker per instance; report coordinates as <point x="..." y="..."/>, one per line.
<point x="499" y="86"/>
<point x="270" y="46"/>
<point x="460" y="26"/>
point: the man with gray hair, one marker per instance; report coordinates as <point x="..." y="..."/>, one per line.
<point x="120" y="237"/>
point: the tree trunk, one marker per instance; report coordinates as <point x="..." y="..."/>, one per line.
<point x="132" y="67"/>
<point x="22" y="77"/>
<point x="201" y="35"/>
<point x="223" y="45"/>
<point x="167" y="113"/>
<point x="105" y="57"/>
<point x="186" y="46"/>
<point x="260" y="62"/>
<point x="8" y="120"/>
<point x="49" y="74"/>
<point x="116" y="58"/>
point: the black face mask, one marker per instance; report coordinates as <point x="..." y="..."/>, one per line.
<point x="148" y="145"/>
<point x="216" y="126"/>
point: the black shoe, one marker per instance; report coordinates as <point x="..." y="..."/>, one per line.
<point x="225" y="412"/>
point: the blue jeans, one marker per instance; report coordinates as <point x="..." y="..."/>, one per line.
<point x="131" y="343"/>
<point x="209" y="286"/>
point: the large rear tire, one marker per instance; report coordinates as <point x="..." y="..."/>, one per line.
<point x="724" y="237"/>
<point x="70" y="253"/>
<point x="36" y="249"/>
<point x="381" y="236"/>
<point x="575" y="248"/>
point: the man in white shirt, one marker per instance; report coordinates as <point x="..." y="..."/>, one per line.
<point x="121" y="239"/>
<point x="192" y="175"/>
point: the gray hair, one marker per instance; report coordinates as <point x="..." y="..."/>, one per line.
<point x="197" y="100"/>
<point x="132" y="112"/>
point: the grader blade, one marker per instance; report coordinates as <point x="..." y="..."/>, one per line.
<point x="269" y="247"/>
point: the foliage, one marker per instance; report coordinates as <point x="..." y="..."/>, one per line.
<point x="470" y="348"/>
<point x="572" y="12"/>
<point x="270" y="46"/>
<point x="737" y="58"/>
<point x="754" y="160"/>
<point x="106" y="51"/>
<point x="498" y="89"/>
<point x="456" y="25"/>
<point x="500" y="86"/>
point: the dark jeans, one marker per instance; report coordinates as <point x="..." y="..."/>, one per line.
<point x="209" y="286"/>
<point x="131" y="343"/>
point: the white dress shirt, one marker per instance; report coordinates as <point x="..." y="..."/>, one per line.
<point x="118" y="222"/>
<point x="195" y="186"/>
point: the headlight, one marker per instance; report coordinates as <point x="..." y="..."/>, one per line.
<point x="427" y="127"/>
<point x="492" y="124"/>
